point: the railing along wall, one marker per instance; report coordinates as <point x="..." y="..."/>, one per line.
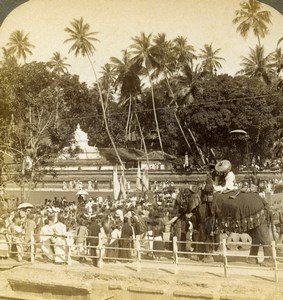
<point x="32" y="250"/>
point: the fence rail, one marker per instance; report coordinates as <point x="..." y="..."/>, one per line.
<point x="66" y="250"/>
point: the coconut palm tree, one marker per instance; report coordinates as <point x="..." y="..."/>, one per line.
<point x="8" y="59"/>
<point x="166" y="65"/>
<point x="252" y="17"/>
<point x="81" y="37"/>
<point x="257" y="64"/>
<point x="276" y="60"/>
<point x="184" y="53"/>
<point x="57" y="63"/>
<point x="210" y="61"/>
<point x="128" y="80"/>
<point x="82" y="40"/>
<point x="163" y="55"/>
<point x="143" y="52"/>
<point x="107" y="82"/>
<point x="19" y="44"/>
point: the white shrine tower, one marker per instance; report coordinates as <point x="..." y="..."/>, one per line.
<point x="81" y="142"/>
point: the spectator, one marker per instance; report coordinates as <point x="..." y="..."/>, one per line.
<point x="60" y="232"/>
<point x="114" y="241"/>
<point x="94" y="230"/>
<point x="46" y="234"/>
<point x="126" y="240"/>
<point x="4" y="248"/>
<point x="17" y="232"/>
<point x="80" y="240"/>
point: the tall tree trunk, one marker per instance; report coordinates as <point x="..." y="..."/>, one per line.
<point x="104" y="115"/>
<point x="175" y="115"/>
<point x="155" y="115"/>
<point x="142" y="138"/>
<point x="258" y="39"/>
<point x="23" y="180"/>
<point x="128" y="119"/>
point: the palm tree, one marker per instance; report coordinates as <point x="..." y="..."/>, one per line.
<point x="19" y="44"/>
<point x="251" y="17"/>
<point x="57" y="63"/>
<point x="8" y="59"/>
<point x="257" y="64"/>
<point x="143" y="52"/>
<point x="183" y="52"/>
<point x="279" y="41"/>
<point x="82" y="39"/>
<point x="107" y="81"/>
<point x="162" y="51"/>
<point x="210" y="61"/>
<point x="127" y="72"/>
<point x="276" y="60"/>
<point x="166" y="64"/>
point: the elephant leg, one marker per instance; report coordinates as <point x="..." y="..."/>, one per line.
<point x="206" y="248"/>
<point x="260" y="236"/>
<point x="253" y="252"/>
<point x="268" y="262"/>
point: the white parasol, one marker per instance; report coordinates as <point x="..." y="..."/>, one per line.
<point x="239" y="131"/>
<point x="82" y="192"/>
<point x="25" y="205"/>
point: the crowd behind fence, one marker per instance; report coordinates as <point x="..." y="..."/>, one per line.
<point x="64" y="250"/>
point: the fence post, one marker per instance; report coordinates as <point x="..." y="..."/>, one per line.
<point x="99" y="248"/>
<point x="225" y="261"/>
<point x="175" y="255"/>
<point x="275" y="261"/>
<point x="138" y="250"/>
<point x="32" y="252"/>
<point x="69" y="259"/>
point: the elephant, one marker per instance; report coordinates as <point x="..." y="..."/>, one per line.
<point x="231" y="212"/>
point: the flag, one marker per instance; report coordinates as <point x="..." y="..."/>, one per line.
<point x="116" y="184"/>
<point x="138" y="182"/>
<point x="123" y="185"/>
<point x="145" y="179"/>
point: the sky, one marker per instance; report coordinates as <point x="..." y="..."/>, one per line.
<point x="117" y="21"/>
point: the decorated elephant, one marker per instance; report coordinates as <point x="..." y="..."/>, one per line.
<point x="230" y="212"/>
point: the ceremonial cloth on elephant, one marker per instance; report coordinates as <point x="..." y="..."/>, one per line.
<point x="245" y="212"/>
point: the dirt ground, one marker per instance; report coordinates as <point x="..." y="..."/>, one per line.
<point x="155" y="281"/>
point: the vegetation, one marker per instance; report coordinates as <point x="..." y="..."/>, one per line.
<point x="160" y="94"/>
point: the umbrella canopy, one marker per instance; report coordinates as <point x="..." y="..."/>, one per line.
<point x="238" y="131"/>
<point x="223" y="166"/>
<point x="25" y="205"/>
<point x="82" y="192"/>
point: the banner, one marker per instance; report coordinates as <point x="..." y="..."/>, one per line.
<point x="138" y="182"/>
<point x="123" y="185"/>
<point x="145" y="179"/>
<point x="116" y="184"/>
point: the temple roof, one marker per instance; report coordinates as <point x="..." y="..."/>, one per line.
<point x="158" y="156"/>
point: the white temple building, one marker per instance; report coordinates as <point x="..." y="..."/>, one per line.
<point x="85" y="150"/>
<point x="88" y="157"/>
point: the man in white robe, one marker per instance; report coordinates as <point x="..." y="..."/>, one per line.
<point x="60" y="232"/>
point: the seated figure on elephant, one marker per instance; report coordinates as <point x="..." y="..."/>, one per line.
<point x="248" y="213"/>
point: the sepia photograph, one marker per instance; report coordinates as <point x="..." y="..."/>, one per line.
<point x="141" y="149"/>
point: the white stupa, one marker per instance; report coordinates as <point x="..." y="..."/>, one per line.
<point x="81" y="141"/>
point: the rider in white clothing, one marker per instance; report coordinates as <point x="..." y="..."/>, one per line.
<point x="224" y="167"/>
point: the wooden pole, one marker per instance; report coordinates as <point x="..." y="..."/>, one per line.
<point x="225" y="261"/>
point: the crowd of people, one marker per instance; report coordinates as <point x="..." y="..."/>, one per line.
<point x="58" y="226"/>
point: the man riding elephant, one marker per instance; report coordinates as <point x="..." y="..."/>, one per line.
<point x="224" y="170"/>
<point x="230" y="209"/>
